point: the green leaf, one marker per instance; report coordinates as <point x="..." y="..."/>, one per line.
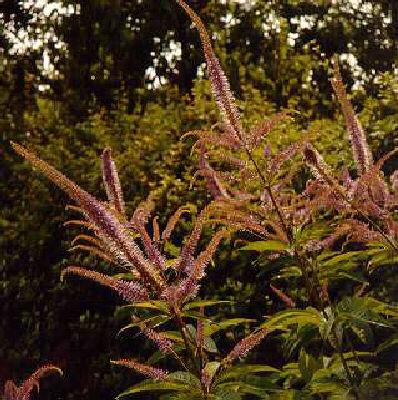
<point x="195" y="315"/>
<point x="227" y="323"/>
<point x="184" y="377"/>
<point x="388" y="344"/>
<point x="151" y="305"/>
<point x="151" y="385"/>
<point x="204" y="303"/>
<point x="227" y="396"/>
<point x="151" y="322"/>
<point x="210" y="345"/>
<point x="285" y="319"/>
<point x="211" y="368"/>
<point x="288" y="273"/>
<point x="363" y="310"/>
<point x="173" y="335"/>
<point x="308" y="365"/>
<point x="243" y="370"/>
<point x="172" y="249"/>
<point x="241" y="387"/>
<point x="267" y="245"/>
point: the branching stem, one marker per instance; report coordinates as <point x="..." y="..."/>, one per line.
<point x="304" y="263"/>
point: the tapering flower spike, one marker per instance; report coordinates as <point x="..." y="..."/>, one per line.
<point x="184" y="261"/>
<point x="360" y="148"/>
<point x="106" y="225"/>
<point x="11" y="391"/>
<point x="150" y="372"/>
<point x="284" y="297"/>
<point x="23" y="392"/>
<point x="197" y="270"/>
<point x="112" y="182"/>
<point x="137" y="223"/>
<point x="242" y="348"/>
<point x="219" y="82"/>
<point x="165" y="345"/>
<point x="318" y="165"/>
<point x="129" y="290"/>
<point x="322" y="171"/>
<point x="394" y="181"/>
<point x="263" y="128"/>
<point x="172" y="222"/>
<point x="213" y="184"/>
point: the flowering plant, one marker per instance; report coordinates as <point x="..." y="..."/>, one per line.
<point x="308" y="228"/>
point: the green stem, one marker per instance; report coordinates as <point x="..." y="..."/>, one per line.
<point x="346" y="367"/>
<point x="182" y="327"/>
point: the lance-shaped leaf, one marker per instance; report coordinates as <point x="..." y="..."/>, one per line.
<point x="112" y="182"/>
<point x="360" y="148"/>
<point x="107" y="227"/>
<point x="219" y="82"/>
<point x="129" y="290"/>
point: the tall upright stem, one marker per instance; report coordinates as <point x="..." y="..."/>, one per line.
<point x="304" y="263"/>
<point x="182" y="328"/>
<point x="346" y="367"/>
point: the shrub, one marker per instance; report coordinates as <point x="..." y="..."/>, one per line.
<point x="328" y="237"/>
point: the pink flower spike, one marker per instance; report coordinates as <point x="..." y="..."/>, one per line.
<point x="360" y="148"/>
<point x="13" y="392"/>
<point x="219" y="82"/>
<point x="286" y="299"/>
<point x="112" y="182"/>
<point x="130" y="291"/>
<point x="147" y="370"/>
<point x="242" y="348"/>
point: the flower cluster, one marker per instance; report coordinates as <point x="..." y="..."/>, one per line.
<point x="23" y="392"/>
